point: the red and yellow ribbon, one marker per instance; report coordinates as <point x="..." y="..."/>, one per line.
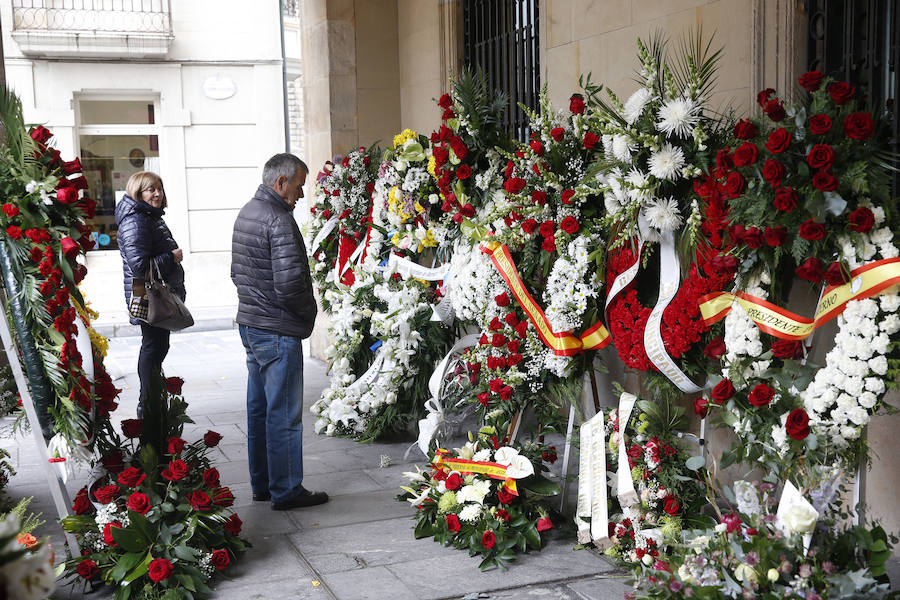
<point x="490" y="469"/>
<point x="865" y="282"/>
<point x="562" y="344"/>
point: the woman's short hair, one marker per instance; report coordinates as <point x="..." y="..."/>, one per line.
<point x="142" y="180"/>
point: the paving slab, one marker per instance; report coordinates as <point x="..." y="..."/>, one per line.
<point x="352" y="509"/>
<point x="601" y="588"/>
<point x="377" y="583"/>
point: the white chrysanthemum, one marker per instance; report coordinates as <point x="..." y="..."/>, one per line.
<point x="623" y="147"/>
<point x="667" y="162"/>
<point x="470" y="513"/>
<point x="635" y="105"/>
<point x="662" y="214"/>
<point x="678" y="117"/>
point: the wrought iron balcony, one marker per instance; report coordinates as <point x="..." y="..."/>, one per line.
<point x="114" y="28"/>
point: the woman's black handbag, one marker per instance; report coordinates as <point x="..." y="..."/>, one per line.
<point x="164" y="308"/>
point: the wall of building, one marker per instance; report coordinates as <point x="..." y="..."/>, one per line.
<point x="420" y="64"/>
<point x="211" y="150"/>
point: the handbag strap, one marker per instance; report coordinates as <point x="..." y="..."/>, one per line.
<point x="154" y="278"/>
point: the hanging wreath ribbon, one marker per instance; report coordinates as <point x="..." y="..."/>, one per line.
<point x="562" y="344"/>
<point x="865" y="282"/>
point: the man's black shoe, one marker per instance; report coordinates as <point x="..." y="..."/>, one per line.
<point x="304" y="498"/>
<point x="262" y="497"/>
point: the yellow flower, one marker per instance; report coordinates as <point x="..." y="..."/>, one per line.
<point x="419" y="208"/>
<point x="98" y="342"/>
<point x="432" y="165"/>
<point x="402" y="137"/>
<point x="429" y="241"/>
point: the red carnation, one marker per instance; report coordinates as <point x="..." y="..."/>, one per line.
<point x="753" y="237"/>
<point x="761" y="395"/>
<point x="14" y="232"/>
<point x="779" y="141"/>
<point x="537" y="147"/>
<point x="11" y="210"/>
<point x="160" y="569"/>
<point x="744" y="130"/>
<point x="819" y="124"/>
<point x="841" y="92"/>
<point x="786" y="199"/>
<point x="549" y="244"/>
<point x="211" y="439"/>
<point x="812" y="231"/>
<point x="862" y="220"/>
<point x="811" y="80"/>
<point x="514" y="185"/>
<point x="797" y="424"/>
<point x="811" y="270"/>
<point x="576" y="104"/>
<point x="463" y="172"/>
<point x="139" y="503"/>
<point x="445" y="101"/>
<point x="547" y="228"/>
<point x="459" y="147"/>
<point x="529" y="225"/>
<point x="539" y="197"/>
<point x="825" y="181"/>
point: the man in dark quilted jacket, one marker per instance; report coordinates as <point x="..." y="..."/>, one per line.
<point x="276" y="310"/>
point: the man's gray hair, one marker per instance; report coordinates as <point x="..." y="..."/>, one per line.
<point x="282" y="165"/>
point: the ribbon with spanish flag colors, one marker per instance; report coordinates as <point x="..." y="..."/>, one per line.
<point x="562" y="344"/>
<point x="865" y="282"/>
<point x="490" y="469"/>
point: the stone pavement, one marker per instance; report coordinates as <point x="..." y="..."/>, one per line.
<point x="358" y="546"/>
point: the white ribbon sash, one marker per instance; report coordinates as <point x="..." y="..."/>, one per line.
<point x="408" y="268"/>
<point x="327" y="228"/>
<point x="624" y="278"/>
<point x="592" y="500"/>
<point x="365" y="380"/>
<point x="624" y="483"/>
<point x="669" y="279"/>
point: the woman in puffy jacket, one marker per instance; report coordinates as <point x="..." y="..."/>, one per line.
<point x="144" y="239"/>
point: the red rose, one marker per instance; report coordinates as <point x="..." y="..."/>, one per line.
<point x="506" y="393"/>
<point x="454" y="482"/>
<point x="87" y="569"/>
<point x="160" y="569"/>
<point x="549" y="455"/>
<point x="131" y="477"/>
<point x="762" y="98"/>
<point x="459" y="147"/>
<point x="173" y="385"/>
<point x="539" y="197"/>
<point x="544" y="524"/>
<point x="223" y="497"/>
<point x="797" y="424"/>
<point x="504" y="495"/>
<point x="753" y="237"/>
<point x="744" y="130"/>
<point x="71" y="167"/>
<point x="734" y="184"/>
<point x="82" y="504"/>
<point x="836" y="275"/>
<point x="40" y="134"/>
<point x="773" y="172"/>
<point x="715" y="348"/>
<point x="537" y="147"/>
<point x="503" y="514"/>
<point x="819" y="124"/>
<point x="723" y="391"/>
<point x="724" y="163"/>
<point x="445" y="101"/>
<point x="497" y="340"/>
<point x="701" y="407"/>
<point x="576" y="104"/>
<point x="557" y="133"/>
<point x="522" y="329"/>
<point x="569" y="225"/>
<point x="211" y="477"/>
<point x="67" y="195"/>
<point x="514" y="185"/>
<point x="529" y="225"/>
<point x="862" y="220"/>
<point x="70" y="247"/>
<point x="775" y="110"/>
<point x="108" y="538"/>
<point x="175" y="445"/>
<point x="199" y="500"/>
<point x="107" y="494"/>
<point x="821" y="156"/>
<point x="502" y="299"/>
<point x="220" y="559"/>
<point x="811" y="80"/>
<point x="787" y="349"/>
<point x="672" y="505"/>
<point x="761" y="395"/>
<point x="812" y="231"/>
<point x="775" y="236"/>
<point x="811" y="270"/>
<point x="841" y="92"/>
<point x="139" y="503"/>
<point x="590" y="140"/>
<point x="453" y="523"/>
<point x="549" y="244"/>
<point x="825" y="181"/>
<point x="463" y="172"/>
<point x="211" y="439"/>
<point x="14" y="232"/>
<point x="177" y="470"/>
<point x="11" y="210"/>
<point x="779" y="141"/>
<point x="859" y="126"/>
<point x="786" y="199"/>
<point x="233" y="525"/>
<point x="746" y="154"/>
<point x="132" y="428"/>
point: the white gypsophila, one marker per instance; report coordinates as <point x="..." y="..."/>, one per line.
<point x="662" y="214"/>
<point x="205" y="565"/>
<point x="558" y="365"/>
<point x="667" y="162"/>
<point x="474" y="283"/>
<point x="635" y="105"/>
<point x="567" y="292"/>
<point x="678" y="117"/>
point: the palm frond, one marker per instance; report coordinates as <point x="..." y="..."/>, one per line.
<point x="13" y="123"/>
<point x="697" y="64"/>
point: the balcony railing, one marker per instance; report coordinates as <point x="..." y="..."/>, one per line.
<point x="92" y="27"/>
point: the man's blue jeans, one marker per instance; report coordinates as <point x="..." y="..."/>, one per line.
<point x="274" y="412"/>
